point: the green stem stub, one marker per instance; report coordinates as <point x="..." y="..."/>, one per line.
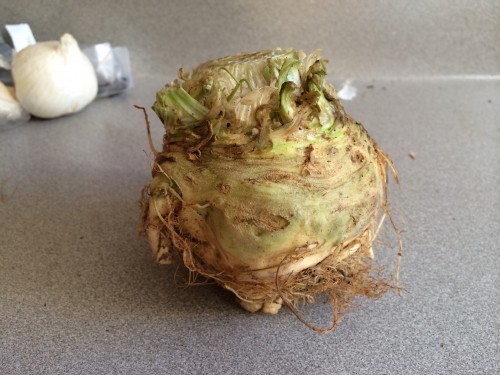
<point x="287" y="105"/>
<point x="327" y="111"/>
<point x="178" y="104"/>
<point x="248" y="95"/>
<point x="289" y="73"/>
<point x="237" y="87"/>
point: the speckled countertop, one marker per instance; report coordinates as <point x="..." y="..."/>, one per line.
<point x="79" y="290"/>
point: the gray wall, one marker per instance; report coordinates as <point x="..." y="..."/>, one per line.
<point x="362" y="38"/>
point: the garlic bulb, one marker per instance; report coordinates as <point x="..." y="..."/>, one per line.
<point x="54" y="78"/>
<point x="10" y="109"/>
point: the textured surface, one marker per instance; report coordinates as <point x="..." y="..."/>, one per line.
<point x="79" y="291"/>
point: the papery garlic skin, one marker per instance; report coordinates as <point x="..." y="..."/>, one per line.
<point x="10" y="109"/>
<point x="54" y="78"/>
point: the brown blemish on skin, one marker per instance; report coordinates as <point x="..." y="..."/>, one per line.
<point x="225" y="189"/>
<point x="357" y="157"/>
<point x="265" y="221"/>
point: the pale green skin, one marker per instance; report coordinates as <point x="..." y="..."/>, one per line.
<point x="264" y="187"/>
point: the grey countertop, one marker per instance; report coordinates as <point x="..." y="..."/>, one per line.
<point x="79" y="290"/>
<point x="81" y="294"/>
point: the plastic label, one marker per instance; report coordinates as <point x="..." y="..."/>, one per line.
<point x="21" y="35"/>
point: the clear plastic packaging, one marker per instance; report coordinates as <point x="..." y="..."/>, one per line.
<point x="112" y="66"/>
<point x="5" y="59"/>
